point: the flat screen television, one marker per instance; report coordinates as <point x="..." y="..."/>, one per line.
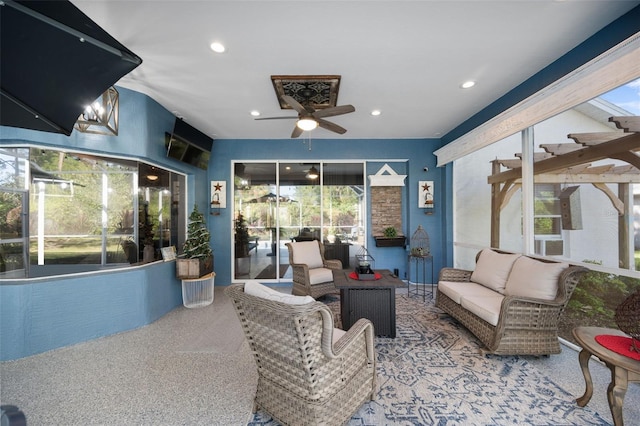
<point x="189" y="145"/>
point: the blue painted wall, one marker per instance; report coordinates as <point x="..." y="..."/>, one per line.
<point x="41" y="315"/>
<point x="405" y="156"/>
<point x="38" y="315"/>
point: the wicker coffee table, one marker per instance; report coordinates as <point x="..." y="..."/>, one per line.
<point x="374" y="300"/>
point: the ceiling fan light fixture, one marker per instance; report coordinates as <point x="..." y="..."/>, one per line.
<point x="312" y="173"/>
<point x="307" y="124"/>
<point x="217" y="47"/>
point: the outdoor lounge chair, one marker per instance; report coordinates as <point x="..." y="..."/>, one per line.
<point x="312" y="274"/>
<point x="309" y="373"/>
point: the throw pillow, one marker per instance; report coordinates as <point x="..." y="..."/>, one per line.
<point x="308" y="253"/>
<point x="254" y="288"/>
<point x="493" y="268"/>
<point x="533" y="278"/>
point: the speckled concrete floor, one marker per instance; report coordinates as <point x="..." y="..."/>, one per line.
<point x="191" y="367"/>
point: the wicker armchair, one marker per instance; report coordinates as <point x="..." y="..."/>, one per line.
<point x="526" y="326"/>
<point x="304" y="378"/>
<point x="312" y="273"/>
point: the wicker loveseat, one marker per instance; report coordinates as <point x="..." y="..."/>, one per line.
<point x="309" y="373"/>
<point x="511" y="303"/>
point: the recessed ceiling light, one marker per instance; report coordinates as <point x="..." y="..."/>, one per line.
<point x="468" y="84"/>
<point x="217" y="47"/>
<point x="255" y="113"/>
<point x="376" y="112"/>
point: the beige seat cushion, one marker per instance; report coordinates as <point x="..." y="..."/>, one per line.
<point x="320" y="275"/>
<point x="455" y="290"/>
<point x="308" y="253"/>
<point x="492" y="269"/>
<point x="533" y="278"/>
<point x="337" y="334"/>
<point x="485" y="307"/>
<point x="254" y="288"/>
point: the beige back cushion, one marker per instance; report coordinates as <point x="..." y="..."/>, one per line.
<point x="254" y="288"/>
<point x="492" y="269"/>
<point x="533" y="278"/>
<point x="307" y="252"/>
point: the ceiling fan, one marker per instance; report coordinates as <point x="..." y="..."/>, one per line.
<point x="310" y="118"/>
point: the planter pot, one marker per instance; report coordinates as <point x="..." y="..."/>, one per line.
<point x="390" y="241"/>
<point x="243" y="266"/>
<point x="198" y="292"/>
<point x="193" y="268"/>
<point x="148" y="254"/>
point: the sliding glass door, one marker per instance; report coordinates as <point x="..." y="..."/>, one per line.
<point x="280" y="202"/>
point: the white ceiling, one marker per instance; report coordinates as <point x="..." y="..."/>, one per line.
<point x="406" y="58"/>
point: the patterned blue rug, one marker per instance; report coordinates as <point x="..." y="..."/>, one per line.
<point x="432" y="373"/>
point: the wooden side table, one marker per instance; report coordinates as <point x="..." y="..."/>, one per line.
<point x="623" y="369"/>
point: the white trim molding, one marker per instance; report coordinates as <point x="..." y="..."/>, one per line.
<point x="389" y="179"/>
<point x="617" y="66"/>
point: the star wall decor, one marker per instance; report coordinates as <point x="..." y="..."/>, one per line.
<point x="425" y="194"/>
<point x="218" y="194"/>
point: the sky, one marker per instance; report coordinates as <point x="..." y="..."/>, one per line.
<point x="626" y="97"/>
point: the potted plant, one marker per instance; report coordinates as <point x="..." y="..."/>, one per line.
<point x="197" y="258"/>
<point x="243" y="260"/>
<point x="148" y="252"/>
<point x="146" y="235"/>
<point x="390" y="238"/>
<point x="390" y="232"/>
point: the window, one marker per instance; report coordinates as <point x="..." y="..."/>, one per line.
<point x="282" y="202"/>
<point x="547" y="220"/>
<point x="84" y="212"/>
<point x="581" y="210"/>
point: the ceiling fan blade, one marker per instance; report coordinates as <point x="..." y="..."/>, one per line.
<point x="295" y="104"/>
<point x="330" y="112"/>
<point x="275" y="118"/>
<point x="297" y="131"/>
<point x="331" y="126"/>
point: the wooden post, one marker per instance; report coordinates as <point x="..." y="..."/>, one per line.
<point x="496" y="201"/>
<point x="625" y="224"/>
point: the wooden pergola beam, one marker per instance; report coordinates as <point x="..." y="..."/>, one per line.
<point x="586" y="178"/>
<point x="628" y="157"/>
<point x="628" y="124"/>
<point x="589" y="139"/>
<point x="560" y="148"/>
<point x="601" y="151"/>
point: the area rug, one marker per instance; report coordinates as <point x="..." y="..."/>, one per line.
<point x="432" y="373"/>
<point x="269" y="272"/>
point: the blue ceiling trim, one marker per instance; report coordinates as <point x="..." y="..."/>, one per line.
<point x="614" y="33"/>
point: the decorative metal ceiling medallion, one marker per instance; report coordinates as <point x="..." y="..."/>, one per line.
<point x="317" y="91"/>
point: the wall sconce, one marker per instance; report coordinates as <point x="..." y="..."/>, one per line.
<point x="101" y="117"/>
